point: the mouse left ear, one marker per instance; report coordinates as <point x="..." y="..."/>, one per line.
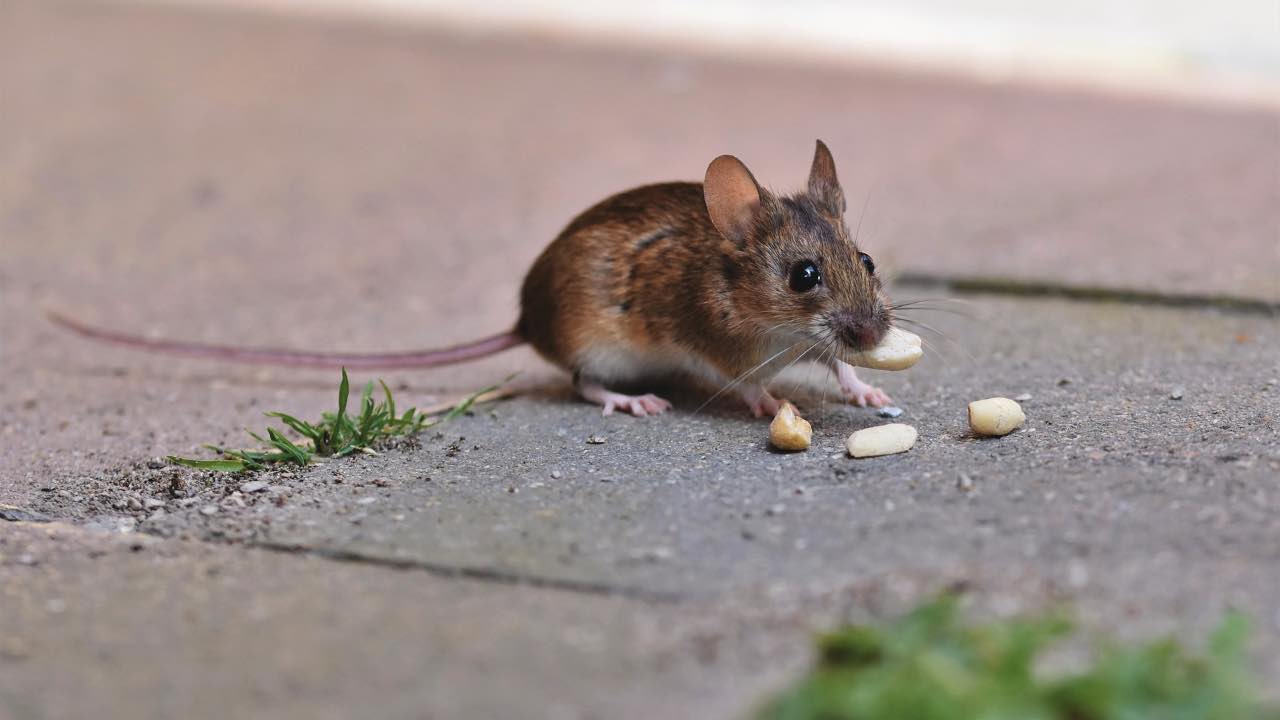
<point x="732" y="196"/>
<point x="824" y="186"/>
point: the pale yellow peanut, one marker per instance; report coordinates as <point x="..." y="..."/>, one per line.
<point x="789" y="431"/>
<point x="995" y="416"/>
<point x="882" y="440"/>
<point x="898" y="350"/>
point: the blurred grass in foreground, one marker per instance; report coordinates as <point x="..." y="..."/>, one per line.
<point x="931" y="665"/>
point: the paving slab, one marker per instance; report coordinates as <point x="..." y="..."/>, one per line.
<point x="128" y="626"/>
<point x="1144" y="512"/>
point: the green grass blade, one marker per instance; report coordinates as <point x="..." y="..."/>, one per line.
<point x="223" y="465"/>
<point x="302" y="427"/>
<point x="390" y="401"/>
<point x="295" y="453"/>
<point x="465" y="405"/>
<point x="344" y="389"/>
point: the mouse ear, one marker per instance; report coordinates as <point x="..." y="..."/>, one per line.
<point x="733" y="197"/>
<point x="824" y="186"/>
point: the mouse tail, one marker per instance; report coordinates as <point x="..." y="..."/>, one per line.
<point x="298" y="358"/>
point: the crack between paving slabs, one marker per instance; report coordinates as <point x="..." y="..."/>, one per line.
<point x="482" y="574"/>
<point x="1085" y="293"/>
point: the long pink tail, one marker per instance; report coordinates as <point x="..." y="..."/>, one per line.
<point x="298" y="358"/>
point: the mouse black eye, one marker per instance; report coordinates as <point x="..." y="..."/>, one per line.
<point x="805" y="276"/>
<point x="867" y="263"/>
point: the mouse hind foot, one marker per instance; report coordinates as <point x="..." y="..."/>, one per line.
<point x="638" y="405"/>
<point x="758" y="400"/>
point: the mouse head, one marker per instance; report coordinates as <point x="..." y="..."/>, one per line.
<point x="790" y="261"/>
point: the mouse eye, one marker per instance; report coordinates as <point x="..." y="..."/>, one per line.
<point x="867" y="263"/>
<point x="805" y="276"/>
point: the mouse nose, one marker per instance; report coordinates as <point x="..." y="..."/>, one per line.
<point x="859" y="333"/>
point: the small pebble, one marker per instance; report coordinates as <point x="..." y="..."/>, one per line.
<point x="209" y="510"/>
<point x="1177" y="393"/>
<point x="890" y="412"/>
<point x="253" y="486"/>
<point x="596" y="440"/>
<point x="965" y="483"/>
<point x="1077" y="575"/>
<point x="152" y="503"/>
<point x="555" y="475"/>
<point x="657" y="554"/>
<point x="27" y="559"/>
<point x="1023" y="397"/>
<point x="366" y="501"/>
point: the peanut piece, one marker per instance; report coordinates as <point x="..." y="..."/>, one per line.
<point x="789" y="431"/>
<point x="882" y="440"/>
<point x="898" y="350"/>
<point x="995" y="416"/>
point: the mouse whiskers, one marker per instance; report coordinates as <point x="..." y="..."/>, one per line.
<point x="951" y="342"/>
<point x="940" y="305"/>
<point x="829" y="352"/>
<point x="825" y="338"/>
<point x="739" y="380"/>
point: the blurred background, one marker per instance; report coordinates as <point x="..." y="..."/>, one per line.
<point x="420" y="153"/>
<point x="1222" y="48"/>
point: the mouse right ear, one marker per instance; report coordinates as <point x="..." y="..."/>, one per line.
<point x="733" y="197"/>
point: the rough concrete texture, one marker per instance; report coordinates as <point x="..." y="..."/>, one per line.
<point x="222" y="177"/>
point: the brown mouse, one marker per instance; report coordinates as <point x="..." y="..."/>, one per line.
<point x="722" y="282"/>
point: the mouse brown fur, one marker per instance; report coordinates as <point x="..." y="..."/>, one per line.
<point x="693" y="278"/>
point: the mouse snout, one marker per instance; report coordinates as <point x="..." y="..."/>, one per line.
<point x="859" y="332"/>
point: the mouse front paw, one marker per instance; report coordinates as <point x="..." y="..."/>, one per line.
<point x="863" y="395"/>
<point x="857" y="392"/>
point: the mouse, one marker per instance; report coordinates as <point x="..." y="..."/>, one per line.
<point x="723" y="282"/>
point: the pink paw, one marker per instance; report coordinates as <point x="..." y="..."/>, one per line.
<point x="862" y="395"/>
<point x="638" y="405"/>
<point x="856" y="391"/>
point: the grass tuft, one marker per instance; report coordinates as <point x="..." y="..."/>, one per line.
<point x="336" y="434"/>
<point x="930" y="665"/>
